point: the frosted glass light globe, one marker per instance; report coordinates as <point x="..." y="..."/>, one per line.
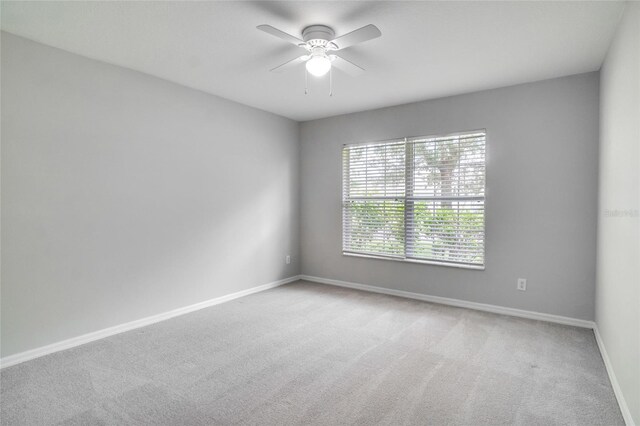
<point x="318" y="65"/>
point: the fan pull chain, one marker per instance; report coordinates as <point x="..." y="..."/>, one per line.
<point x="331" y="81"/>
<point x="306" y="82"/>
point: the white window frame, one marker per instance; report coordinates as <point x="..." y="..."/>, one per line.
<point x="409" y="198"/>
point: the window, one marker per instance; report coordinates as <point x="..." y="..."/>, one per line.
<point x="416" y="199"/>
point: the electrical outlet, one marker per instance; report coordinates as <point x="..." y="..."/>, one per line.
<point x="287" y="259"/>
<point x="522" y="284"/>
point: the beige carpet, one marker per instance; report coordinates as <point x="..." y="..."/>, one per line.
<point x="314" y="354"/>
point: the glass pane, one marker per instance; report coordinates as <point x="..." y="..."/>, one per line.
<point x="448" y="231"/>
<point x="374" y="227"/>
<point x="374" y="170"/>
<point x="452" y="167"/>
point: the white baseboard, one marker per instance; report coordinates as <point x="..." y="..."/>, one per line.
<point x="100" y="334"/>
<point x="456" y="302"/>
<point x="624" y="408"/>
<point x="106" y="332"/>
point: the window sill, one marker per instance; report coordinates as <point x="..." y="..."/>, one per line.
<point x="423" y="262"/>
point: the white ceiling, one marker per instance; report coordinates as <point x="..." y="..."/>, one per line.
<point x="427" y="49"/>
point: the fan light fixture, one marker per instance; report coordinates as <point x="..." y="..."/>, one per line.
<point x="318" y="65"/>
<point x="320" y="43"/>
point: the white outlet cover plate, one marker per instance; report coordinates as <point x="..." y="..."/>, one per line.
<point x="522" y="284"/>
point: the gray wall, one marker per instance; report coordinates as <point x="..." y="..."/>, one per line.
<point x="618" y="283"/>
<point x="125" y="196"/>
<point x="542" y="146"/>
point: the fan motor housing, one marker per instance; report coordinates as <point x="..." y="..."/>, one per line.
<point x="317" y="35"/>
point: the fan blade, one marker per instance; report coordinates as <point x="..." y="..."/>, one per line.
<point x="280" y="34"/>
<point x="290" y="64"/>
<point x="360" y="35"/>
<point x="347" y="66"/>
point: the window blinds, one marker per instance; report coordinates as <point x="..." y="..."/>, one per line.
<point x="416" y="198"/>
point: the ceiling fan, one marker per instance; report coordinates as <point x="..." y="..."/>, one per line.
<point x="320" y="43"/>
